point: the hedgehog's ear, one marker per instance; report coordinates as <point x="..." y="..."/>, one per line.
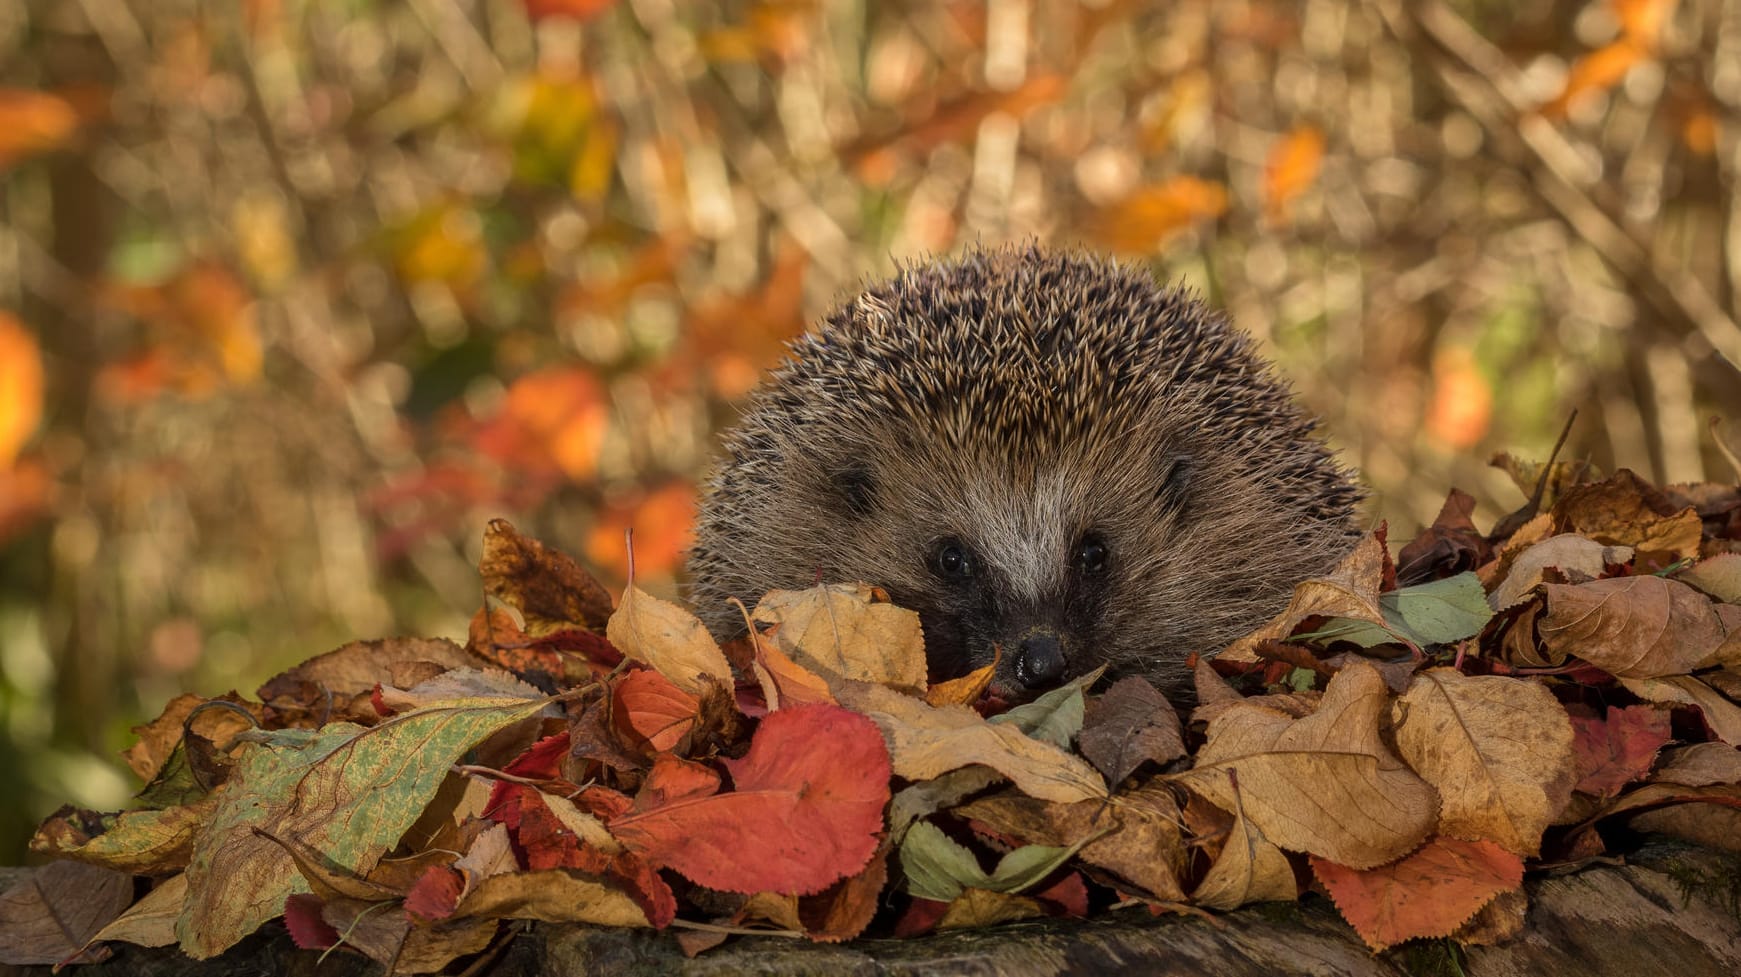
<point x="1175" y="484"/>
<point x="856" y="487"/>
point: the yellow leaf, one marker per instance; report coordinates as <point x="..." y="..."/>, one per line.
<point x="20" y="387"/>
<point x="669" y="638"/>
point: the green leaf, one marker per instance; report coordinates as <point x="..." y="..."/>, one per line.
<point x="938" y="868"/>
<point x="345" y="791"/>
<point x="1055" y="717"/>
<point x="1438" y="612"/>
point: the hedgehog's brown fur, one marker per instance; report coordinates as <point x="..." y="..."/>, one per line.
<point x="1011" y="404"/>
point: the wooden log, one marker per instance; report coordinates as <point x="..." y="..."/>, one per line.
<point x="1605" y="921"/>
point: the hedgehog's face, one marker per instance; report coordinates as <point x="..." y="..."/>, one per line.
<point x="1023" y="564"/>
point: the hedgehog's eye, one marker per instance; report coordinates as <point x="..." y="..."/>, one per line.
<point x="1092" y="555"/>
<point x="951" y="560"/>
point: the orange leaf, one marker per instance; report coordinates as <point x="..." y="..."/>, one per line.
<point x="653" y="712"/>
<point x="1145" y="219"/>
<point x="805" y="809"/>
<point x="20" y="387"/>
<point x="1429" y="893"/>
<point x="1597" y="71"/>
<point x="1292" y="166"/>
<point x="32" y="123"/>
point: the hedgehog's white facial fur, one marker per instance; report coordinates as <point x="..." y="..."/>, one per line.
<point x="1014" y="405"/>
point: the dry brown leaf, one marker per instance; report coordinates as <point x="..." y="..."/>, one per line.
<point x="1325" y="784"/>
<point x="1624" y="509"/>
<point x="1141" y="843"/>
<point x="926" y="741"/>
<point x="1250" y="868"/>
<point x="669" y="638"/>
<point x="1578" y="557"/>
<point x="849" y="630"/>
<point x="392" y="940"/>
<point x="1498" y="749"/>
<point x="982" y="907"/>
<point x="1699" y="765"/>
<point x="151" y="920"/>
<point x="1723" y="716"/>
<point x="1719" y="576"/>
<point x="1351" y="590"/>
<point x="1498" y="922"/>
<point x="1714" y="826"/>
<point x="551" y="591"/>
<point x="159" y="737"/>
<point x="1632" y="627"/>
<point x="1129" y="724"/>
<point x="554" y="895"/>
<point x="56" y="910"/>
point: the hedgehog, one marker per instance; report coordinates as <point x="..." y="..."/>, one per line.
<point x="1056" y="461"/>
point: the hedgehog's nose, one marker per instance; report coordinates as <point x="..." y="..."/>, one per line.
<point x="1040" y="660"/>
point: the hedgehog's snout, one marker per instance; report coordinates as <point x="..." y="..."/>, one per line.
<point x="1040" y="659"/>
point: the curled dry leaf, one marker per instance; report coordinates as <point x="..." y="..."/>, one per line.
<point x="1578" y="558"/>
<point x="1351" y="591"/>
<point x="847" y="630"/>
<point x="784" y="682"/>
<point x="1625" y="510"/>
<point x="669" y="638"/>
<point x="1325" y="784"/>
<point x="1432" y="892"/>
<point x="1498" y="749"/>
<point x="1723" y="716"/>
<point x="550" y="590"/>
<point x="135" y="842"/>
<point x="1700" y="765"/>
<point x="927" y="741"/>
<point x="981" y="907"/>
<point x="557" y="895"/>
<point x="1632" y="627"/>
<point x="1249" y="868"/>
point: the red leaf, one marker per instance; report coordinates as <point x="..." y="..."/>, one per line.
<point x="549" y="844"/>
<point x="1429" y="893"/>
<point x="674" y="779"/>
<point x="435" y="894"/>
<point x="806" y="808"/>
<point x="1613" y="752"/>
<point x="920" y="918"/>
<point x="302" y="917"/>
<point x="543" y="760"/>
<point x="652" y="712"/>
<point x="1066" y="897"/>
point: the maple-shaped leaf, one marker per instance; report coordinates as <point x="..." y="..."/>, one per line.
<point x="1632" y="627"/>
<point x="1498" y="749"/>
<point x="847" y="630"/>
<point x="805" y="808"/>
<point x="1612" y="752"/>
<point x="1429" y="893"/>
<point x="1326" y="783"/>
<point x="347" y="792"/>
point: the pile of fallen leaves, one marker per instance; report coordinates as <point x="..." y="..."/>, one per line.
<point x="1408" y="736"/>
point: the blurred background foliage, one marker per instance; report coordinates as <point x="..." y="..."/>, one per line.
<point x="296" y="294"/>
